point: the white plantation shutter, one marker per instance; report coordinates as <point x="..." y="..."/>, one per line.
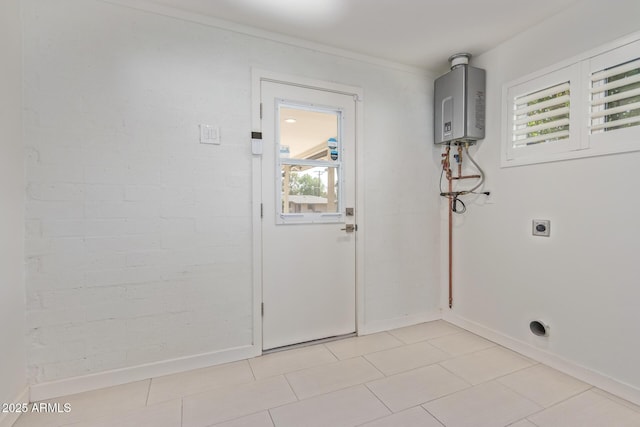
<point x="542" y="116"/>
<point x="588" y="108"/>
<point x="613" y="89"/>
<point x="615" y="97"/>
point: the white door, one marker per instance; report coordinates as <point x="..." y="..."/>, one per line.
<point x="308" y="196"/>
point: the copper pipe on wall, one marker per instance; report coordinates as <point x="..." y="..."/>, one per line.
<point x="446" y="166"/>
<point x="453" y="197"/>
<point x="450" y="240"/>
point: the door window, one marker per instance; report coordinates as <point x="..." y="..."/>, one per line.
<point x="309" y="164"/>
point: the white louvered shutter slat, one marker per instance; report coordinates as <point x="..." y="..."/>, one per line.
<point x="541" y="116"/>
<point x="615" y="101"/>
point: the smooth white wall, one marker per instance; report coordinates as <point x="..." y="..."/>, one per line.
<point x="583" y="280"/>
<point x="13" y="369"/>
<point x="139" y="238"/>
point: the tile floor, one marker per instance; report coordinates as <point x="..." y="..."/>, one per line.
<point x="429" y="375"/>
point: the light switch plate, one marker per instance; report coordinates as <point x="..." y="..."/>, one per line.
<point x="209" y="134"/>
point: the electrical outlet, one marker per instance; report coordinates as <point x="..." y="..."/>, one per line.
<point x="541" y="227"/>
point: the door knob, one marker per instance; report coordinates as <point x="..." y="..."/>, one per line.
<point x="349" y="228"/>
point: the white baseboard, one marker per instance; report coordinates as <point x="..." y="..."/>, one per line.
<point x="137" y="373"/>
<point x="597" y="379"/>
<point x="9" y="418"/>
<point x="115" y="377"/>
<point x="398" y="322"/>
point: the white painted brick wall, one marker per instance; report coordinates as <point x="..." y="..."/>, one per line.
<point x="139" y="238"/>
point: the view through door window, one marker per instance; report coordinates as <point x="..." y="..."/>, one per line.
<point x="310" y="159"/>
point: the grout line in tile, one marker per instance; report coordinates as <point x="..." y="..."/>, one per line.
<point x="612" y="397"/>
<point x="408" y="370"/>
<point x="291" y="387"/>
<point x="380" y="400"/>
<point x="236" y="418"/>
<point x="433" y="415"/>
<point x="181" y="411"/>
<point x="446" y="395"/>
<point x="332" y="353"/>
<point x="510" y="373"/>
<point x="494" y="344"/>
<point x="208" y="390"/>
<point x="252" y="371"/>
<point x="273" y="423"/>
<point x="575" y="395"/>
<point x="452" y="373"/>
<point x="300" y="369"/>
<point x="330" y="392"/>
<point x="316" y="396"/>
<point x="556" y="404"/>
<point x="492" y="347"/>
<point x="491" y="379"/>
<point x="403" y="344"/>
<point x="327" y="392"/>
<point x="245" y="415"/>
<point x="517" y="421"/>
<point x="461" y="331"/>
<point x="521" y="395"/>
<point x="447" y="334"/>
<point x="279" y="406"/>
<point x="146" y="401"/>
<point x="516" y="391"/>
<point x="398" y="338"/>
<point x="372" y="365"/>
<point x="431" y="400"/>
<point x="451" y="356"/>
<point x="303" y="369"/>
<point x="476" y="385"/>
<point x="422" y="367"/>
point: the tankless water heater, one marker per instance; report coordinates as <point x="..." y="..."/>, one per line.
<point x="459" y="103"/>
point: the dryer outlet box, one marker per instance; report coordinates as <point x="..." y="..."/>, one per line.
<point x="541" y="227"/>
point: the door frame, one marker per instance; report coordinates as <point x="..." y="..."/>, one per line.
<point x="257" y="77"/>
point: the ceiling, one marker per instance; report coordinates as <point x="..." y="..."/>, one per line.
<point x="420" y="33"/>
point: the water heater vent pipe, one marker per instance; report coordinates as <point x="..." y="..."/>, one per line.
<point x="459" y="59"/>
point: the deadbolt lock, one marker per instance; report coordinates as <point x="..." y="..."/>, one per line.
<point x="349" y="211"/>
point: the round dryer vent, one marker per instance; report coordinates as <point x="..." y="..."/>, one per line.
<point x="538" y="328"/>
